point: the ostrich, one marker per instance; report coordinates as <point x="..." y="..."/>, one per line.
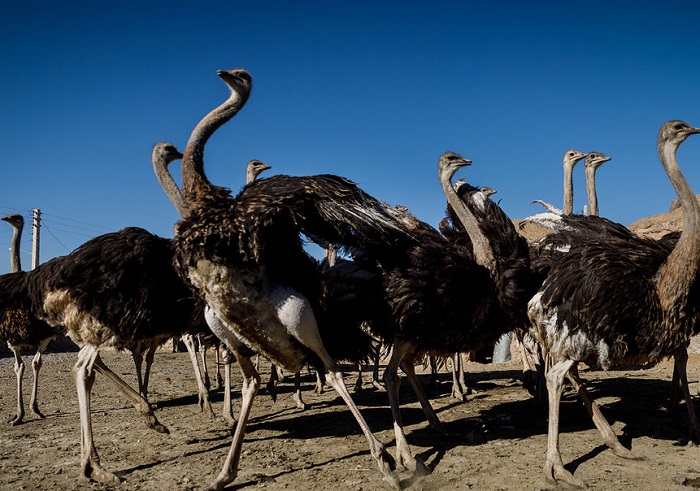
<point x="117" y="290"/>
<point x="571" y="158"/>
<point x="21" y="329"/>
<point x="470" y="195"/>
<point x="162" y="156"/>
<point x="531" y="358"/>
<point x="593" y="161"/>
<point x="442" y="295"/>
<point x="245" y="258"/>
<point x="636" y="305"/>
<point x="576" y="228"/>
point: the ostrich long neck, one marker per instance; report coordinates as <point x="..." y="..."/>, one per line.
<point x="194" y="181"/>
<point x="591" y="192"/>
<point x="680" y="269"/>
<point x="15" y="264"/>
<point x="165" y="178"/>
<point x="482" y="248"/>
<point x="568" y="187"/>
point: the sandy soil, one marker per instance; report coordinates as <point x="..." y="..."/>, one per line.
<point x="496" y="439"/>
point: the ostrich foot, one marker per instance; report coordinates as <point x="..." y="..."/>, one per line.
<point x="205" y="407"/>
<point x="95" y="472"/>
<point x="625" y="453"/>
<point x="387" y="464"/>
<point x="156" y="425"/>
<point x="458" y="394"/>
<point x="556" y="474"/>
<point x="221" y="481"/>
<point x="230" y="424"/>
<point x="299" y="402"/>
<point x="378" y="385"/>
<point x="35" y="410"/>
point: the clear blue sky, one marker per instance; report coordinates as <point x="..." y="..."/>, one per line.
<point x="371" y="90"/>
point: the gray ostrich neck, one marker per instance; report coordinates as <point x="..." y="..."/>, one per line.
<point x="194" y="181"/>
<point x="160" y="167"/>
<point x="568" y="187"/>
<point x="482" y="248"/>
<point x="250" y="176"/>
<point x="15" y="264"/>
<point x="679" y="271"/>
<point x="591" y="192"/>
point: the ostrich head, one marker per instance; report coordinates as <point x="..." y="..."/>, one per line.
<point x="673" y="133"/>
<point x="165" y="153"/>
<point x="573" y="157"/>
<point x="16" y="220"/>
<point x="487" y="190"/>
<point x="238" y="79"/>
<point x="253" y="170"/>
<point x="595" y="160"/>
<point x="449" y="164"/>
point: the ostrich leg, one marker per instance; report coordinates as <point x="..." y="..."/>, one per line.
<point x="358" y="382"/>
<point x="554" y="466"/>
<point x="139" y="402"/>
<point x="203" y="396"/>
<point x="459" y="391"/>
<point x="404" y="456"/>
<point x="150" y="354"/>
<point x="428" y="410"/>
<point x="218" y="361"/>
<point x="36" y="366"/>
<point x="599" y="420"/>
<point x="227" y="358"/>
<point x="251" y="385"/>
<point x="334" y="378"/>
<point x="137" y="356"/>
<point x="680" y="367"/>
<point x="19" y="373"/>
<point x="298" y="400"/>
<point x="84" y="379"/>
<point x="205" y="368"/>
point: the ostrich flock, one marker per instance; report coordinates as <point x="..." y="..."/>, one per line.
<point x="236" y="274"/>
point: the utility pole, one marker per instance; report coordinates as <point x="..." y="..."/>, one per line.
<point x="36" y="226"/>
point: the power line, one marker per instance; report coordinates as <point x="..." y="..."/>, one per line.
<point x="77" y="221"/>
<point x="56" y="238"/>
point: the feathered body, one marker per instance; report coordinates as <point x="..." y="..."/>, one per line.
<point x="254" y="240"/>
<point x="19" y="327"/>
<point x="618" y="301"/>
<point x="595" y="281"/>
<point x="115" y="290"/>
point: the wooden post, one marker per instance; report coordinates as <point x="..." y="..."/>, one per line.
<point x="36" y="225"/>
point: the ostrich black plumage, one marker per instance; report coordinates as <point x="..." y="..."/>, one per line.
<point x="439" y="295"/>
<point x="19" y="327"/>
<point x="602" y="304"/>
<point x="117" y="290"/>
<point x="245" y="258"/>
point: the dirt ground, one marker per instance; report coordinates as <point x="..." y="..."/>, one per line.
<point x="496" y="440"/>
